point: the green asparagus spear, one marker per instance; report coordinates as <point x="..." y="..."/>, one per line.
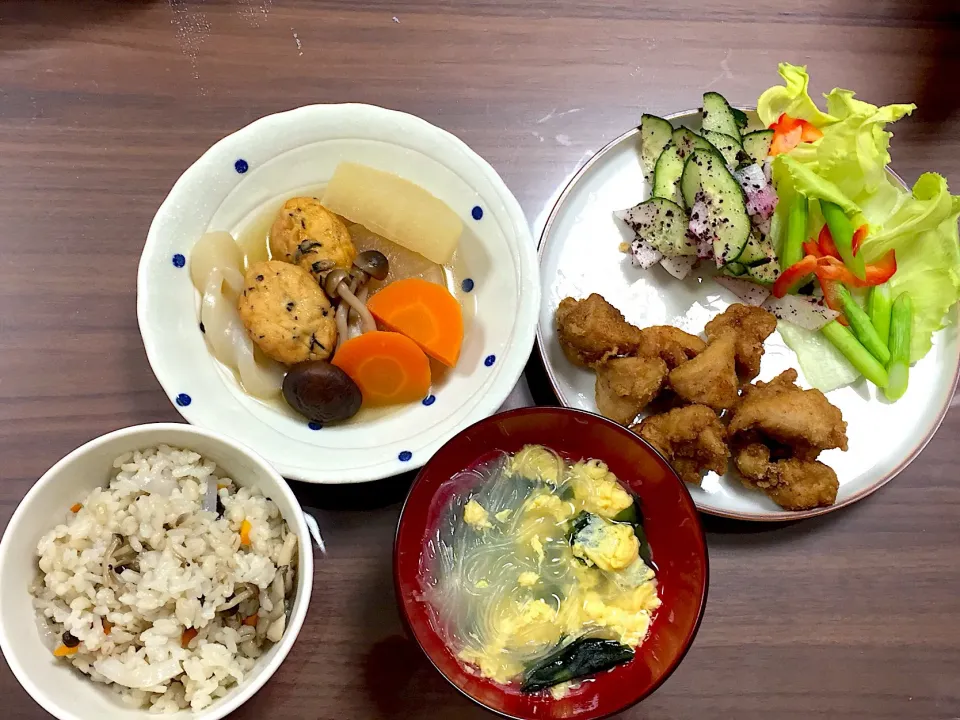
<point x="901" y="322"/>
<point x="879" y="301"/>
<point x="841" y="229"/>
<point x="796" y="232"/>
<point x="857" y="354"/>
<point x="862" y="327"/>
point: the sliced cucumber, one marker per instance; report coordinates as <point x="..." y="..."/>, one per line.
<point x="728" y="146"/>
<point x="688" y="141"/>
<point x="755" y="252"/>
<point x="667" y="173"/>
<point x="741" y="117"/>
<point x="662" y="224"/>
<point x="718" y="116"/>
<point x="757" y="145"/>
<point x="735" y="269"/>
<point x="706" y="176"/>
<point x="654" y="136"/>
<point x="766" y="273"/>
<point x="760" y="259"/>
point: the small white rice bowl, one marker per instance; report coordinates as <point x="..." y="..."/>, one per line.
<point x="196" y="619"/>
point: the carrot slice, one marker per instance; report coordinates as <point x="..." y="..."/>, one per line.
<point x="107" y="626"/>
<point x="75" y="508"/>
<point x="388" y="367"/>
<point x="251" y="620"/>
<point x="187" y="635"/>
<point x="245" y="528"/>
<point x="63" y="651"/>
<point x="423" y="311"/>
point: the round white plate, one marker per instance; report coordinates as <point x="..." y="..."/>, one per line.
<point x="579" y="255"/>
<point x="275" y="158"/>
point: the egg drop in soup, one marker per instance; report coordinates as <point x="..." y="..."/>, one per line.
<point x="539" y="573"/>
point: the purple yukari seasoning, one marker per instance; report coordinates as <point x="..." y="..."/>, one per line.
<point x="801" y="310"/>
<point x="749" y="292"/>
<point x="644" y="254"/>
<point x="761" y="197"/>
<point x="679" y="266"/>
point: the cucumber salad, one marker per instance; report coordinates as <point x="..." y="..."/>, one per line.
<point x="793" y="209"/>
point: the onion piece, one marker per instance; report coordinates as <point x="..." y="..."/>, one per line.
<point x="214" y="250"/>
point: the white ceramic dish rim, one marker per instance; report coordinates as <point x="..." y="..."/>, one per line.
<point x="238" y="696"/>
<point x="779" y="516"/>
<point x="510" y="364"/>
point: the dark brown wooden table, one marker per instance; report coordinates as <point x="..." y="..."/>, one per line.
<point x="104" y="104"/>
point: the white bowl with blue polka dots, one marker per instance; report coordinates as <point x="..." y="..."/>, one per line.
<point x="280" y="156"/>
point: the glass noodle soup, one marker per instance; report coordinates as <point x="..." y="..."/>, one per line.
<point x="539" y="572"/>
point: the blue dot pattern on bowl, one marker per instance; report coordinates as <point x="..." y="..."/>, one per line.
<point x="314" y="425"/>
<point x="477" y="212"/>
<point x="429" y="400"/>
<point x="467" y="284"/>
<point x="183" y="400"/>
<point x="489" y="360"/>
<point x="405" y="456"/>
<point x="179" y="260"/>
<point x="241" y="166"/>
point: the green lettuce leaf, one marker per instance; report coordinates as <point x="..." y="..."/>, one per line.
<point x="923" y="231"/>
<point x="794" y="100"/>
<point x="794" y="176"/>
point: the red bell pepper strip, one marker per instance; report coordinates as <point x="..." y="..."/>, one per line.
<point x="841" y="230"/>
<point x="876" y="273"/>
<point x="831" y="296"/>
<point x="858" y="237"/>
<point x="784" y="142"/>
<point x="811" y="248"/>
<point x="789" y="132"/>
<point x="795" y="276"/>
<point x="828" y="248"/>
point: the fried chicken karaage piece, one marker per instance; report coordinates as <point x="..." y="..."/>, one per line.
<point x="592" y="330"/>
<point x="793" y="484"/>
<point x="803" y="420"/>
<point x="710" y="378"/>
<point x="750" y="326"/>
<point x="691" y="438"/>
<point x="626" y="385"/>
<point x="670" y="344"/>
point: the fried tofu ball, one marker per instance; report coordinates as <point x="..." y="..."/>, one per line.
<point x="592" y="330"/>
<point x="691" y="439"/>
<point x="626" y="385"/>
<point x="305" y="233"/>
<point x="710" y="378"/>
<point x="803" y="420"/>
<point x="670" y="344"/>
<point x="750" y="326"/>
<point x="286" y="313"/>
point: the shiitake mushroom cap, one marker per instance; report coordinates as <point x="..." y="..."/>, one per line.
<point x="321" y="392"/>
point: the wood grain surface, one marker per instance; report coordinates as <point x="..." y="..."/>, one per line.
<point x="104" y="104"/>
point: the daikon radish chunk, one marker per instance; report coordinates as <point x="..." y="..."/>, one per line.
<point x="395" y="208"/>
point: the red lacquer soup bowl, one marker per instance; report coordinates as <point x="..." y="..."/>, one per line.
<point x="670" y="520"/>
